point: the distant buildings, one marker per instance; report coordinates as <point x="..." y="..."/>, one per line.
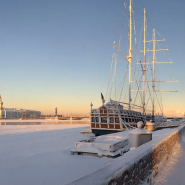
<point x="17" y="113"/>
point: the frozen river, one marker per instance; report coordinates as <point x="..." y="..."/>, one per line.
<point x="42" y="122"/>
<point x="40" y="154"/>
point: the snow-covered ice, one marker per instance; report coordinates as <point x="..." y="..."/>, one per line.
<point x="42" y="120"/>
<point x="40" y="154"/>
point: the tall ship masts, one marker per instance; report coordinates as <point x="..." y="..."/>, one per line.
<point x="144" y="61"/>
<point x="153" y="80"/>
<point x="116" y="116"/>
<point x="130" y="53"/>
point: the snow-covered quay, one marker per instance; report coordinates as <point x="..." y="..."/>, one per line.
<point x="141" y="165"/>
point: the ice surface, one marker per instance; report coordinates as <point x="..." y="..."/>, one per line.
<point x="41" y="120"/>
<point x="40" y="154"/>
<point x="18" y="129"/>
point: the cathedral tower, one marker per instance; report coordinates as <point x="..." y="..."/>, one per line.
<point x="1" y="103"/>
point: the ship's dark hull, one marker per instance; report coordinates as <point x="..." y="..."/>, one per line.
<point x="98" y="132"/>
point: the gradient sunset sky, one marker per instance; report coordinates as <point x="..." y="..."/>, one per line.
<point x="58" y="53"/>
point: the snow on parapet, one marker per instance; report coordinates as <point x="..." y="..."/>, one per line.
<point x="130" y="160"/>
<point x="140" y="131"/>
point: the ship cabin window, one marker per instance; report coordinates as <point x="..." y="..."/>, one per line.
<point x="92" y="119"/>
<point x="111" y="120"/>
<point x="97" y="120"/>
<point x="116" y="120"/>
<point x="104" y="120"/>
<point x="126" y="119"/>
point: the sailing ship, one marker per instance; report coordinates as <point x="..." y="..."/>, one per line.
<point x="114" y="116"/>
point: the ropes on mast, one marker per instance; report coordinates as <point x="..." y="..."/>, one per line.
<point x="115" y="58"/>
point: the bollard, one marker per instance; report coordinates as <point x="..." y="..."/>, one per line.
<point x="150" y="126"/>
<point x="139" y="136"/>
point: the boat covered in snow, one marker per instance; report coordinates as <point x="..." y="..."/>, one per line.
<point x="110" y="145"/>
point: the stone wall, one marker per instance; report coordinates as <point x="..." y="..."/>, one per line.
<point x="138" y="166"/>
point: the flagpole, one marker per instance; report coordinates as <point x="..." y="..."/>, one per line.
<point x="102" y="97"/>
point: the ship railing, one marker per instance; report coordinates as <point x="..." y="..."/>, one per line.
<point x="125" y="123"/>
<point x="129" y="125"/>
<point x="122" y="122"/>
<point x="124" y="114"/>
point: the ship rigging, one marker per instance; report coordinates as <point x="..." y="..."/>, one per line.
<point x="116" y="116"/>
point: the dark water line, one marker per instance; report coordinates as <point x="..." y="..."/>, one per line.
<point x="46" y="123"/>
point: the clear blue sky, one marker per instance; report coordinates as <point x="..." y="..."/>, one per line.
<point x="58" y="53"/>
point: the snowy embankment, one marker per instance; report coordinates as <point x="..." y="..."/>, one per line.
<point x="138" y="166"/>
<point x="173" y="172"/>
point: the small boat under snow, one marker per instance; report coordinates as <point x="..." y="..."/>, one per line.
<point x="110" y="145"/>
